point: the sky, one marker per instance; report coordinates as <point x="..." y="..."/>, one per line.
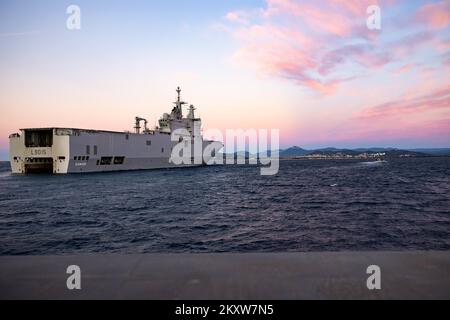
<point x="310" y="68"/>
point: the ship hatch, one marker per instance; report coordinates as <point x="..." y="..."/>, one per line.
<point x="39" y="165"/>
<point x="38" y="138"/>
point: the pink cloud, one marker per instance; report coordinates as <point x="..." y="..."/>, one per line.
<point x="446" y="60"/>
<point x="434" y="15"/>
<point x="364" y="54"/>
<point x="404" y="69"/>
<point x="308" y="41"/>
<point x="356" y="7"/>
<point x="423" y="116"/>
<point x="321" y="44"/>
<point x="404" y="46"/>
<point x="437" y="100"/>
<point x="335" y="17"/>
<point x="237" y="16"/>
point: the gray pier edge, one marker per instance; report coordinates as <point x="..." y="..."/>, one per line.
<point x="257" y="276"/>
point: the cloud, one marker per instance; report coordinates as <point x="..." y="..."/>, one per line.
<point x="18" y="34"/>
<point x="237" y="16"/>
<point x="404" y="69"/>
<point x="321" y="44"/>
<point x="446" y="59"/>
<point x="437" y="100"/>
<point x="306" y="41"/>
<point x="314" y="16"/>
<point x="434" y="15"/>
<point x="423" y="117"/>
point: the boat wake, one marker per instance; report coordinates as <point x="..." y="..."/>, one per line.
<point x="373" y="163"/>
<point x="5" y="174"/>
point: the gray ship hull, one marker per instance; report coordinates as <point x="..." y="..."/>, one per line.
<point x="64" y="150"/>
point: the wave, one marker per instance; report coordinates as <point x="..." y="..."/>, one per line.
<point x="373" y="163"/>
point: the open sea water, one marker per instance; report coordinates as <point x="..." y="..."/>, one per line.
<point x="314" y="205"/>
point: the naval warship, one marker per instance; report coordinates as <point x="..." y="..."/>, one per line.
<point x="69" y="150"/>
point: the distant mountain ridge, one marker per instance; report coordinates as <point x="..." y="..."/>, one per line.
<point x="299" y="152"/>
<point x="294" y="152"/>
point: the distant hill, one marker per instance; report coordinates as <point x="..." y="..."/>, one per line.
<point x="433" y="151"/>
<point x="293" y="152"/>
<point x="375" y="149"/>
<point x="330" y="151"/>
<point x="374" y="152"/>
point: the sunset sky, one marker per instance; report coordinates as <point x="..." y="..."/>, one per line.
<point x="310" y="68"/>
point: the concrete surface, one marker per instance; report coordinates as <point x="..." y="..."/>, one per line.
<point x="404" y="275"/>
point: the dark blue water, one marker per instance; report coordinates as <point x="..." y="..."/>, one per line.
<point x="309" y="206"/>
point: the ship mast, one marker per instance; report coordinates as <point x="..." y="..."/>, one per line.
<point x="177" y="111"/>
<point x="179" y="92"/>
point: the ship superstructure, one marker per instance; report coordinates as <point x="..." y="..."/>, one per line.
<point x="70" y="150"/>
